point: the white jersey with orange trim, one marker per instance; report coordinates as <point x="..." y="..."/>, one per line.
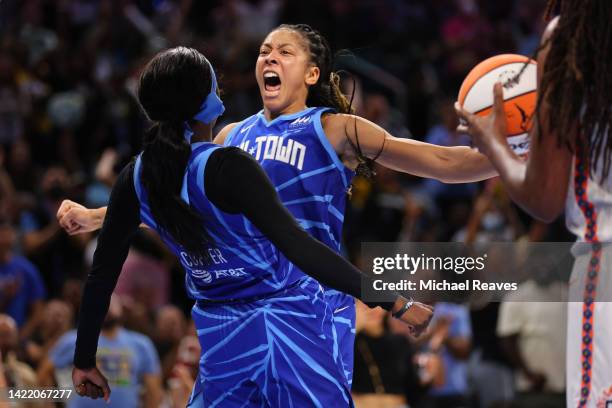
<point x="588" y="213"/>
<point x="599" y="194"/>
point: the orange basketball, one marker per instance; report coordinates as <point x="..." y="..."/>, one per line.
<point x="520" y="94"/>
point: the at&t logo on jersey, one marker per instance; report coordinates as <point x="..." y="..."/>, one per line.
<point x="205" y="276"/>
<point x="202" y="275"/>
<point x="277" y="148"/>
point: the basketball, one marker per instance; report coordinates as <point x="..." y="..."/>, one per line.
<point x="520" y="94"/>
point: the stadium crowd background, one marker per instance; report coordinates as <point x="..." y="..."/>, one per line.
<point x="69" y="123"/>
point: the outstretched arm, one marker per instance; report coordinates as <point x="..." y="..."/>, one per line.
<point x="236" y="183"/>
<point x="459" y="164"/>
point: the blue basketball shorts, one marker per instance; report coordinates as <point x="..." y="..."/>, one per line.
<point x="272" y="352"/>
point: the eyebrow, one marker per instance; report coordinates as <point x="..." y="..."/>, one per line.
<point x="279" y="46"/>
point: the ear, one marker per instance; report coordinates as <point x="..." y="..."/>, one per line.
<point x="312" y="75"/>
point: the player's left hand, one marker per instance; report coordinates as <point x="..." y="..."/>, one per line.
<point x="488" y="130"/>
<point x="90" y="383"/>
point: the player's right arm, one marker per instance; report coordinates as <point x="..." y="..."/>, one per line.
<point x="454" y="164"/>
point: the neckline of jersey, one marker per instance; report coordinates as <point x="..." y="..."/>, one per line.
<point x="288" y="116"/>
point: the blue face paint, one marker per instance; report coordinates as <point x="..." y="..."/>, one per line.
<point x="211" y="108"/>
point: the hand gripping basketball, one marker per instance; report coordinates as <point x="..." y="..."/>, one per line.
<point x="518" y="76"/>
<point x="487" y="132"/>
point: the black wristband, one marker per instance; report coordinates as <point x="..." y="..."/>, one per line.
<point x="404" y="309"/>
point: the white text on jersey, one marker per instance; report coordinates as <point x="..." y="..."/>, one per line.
<point x="278" y="148"/>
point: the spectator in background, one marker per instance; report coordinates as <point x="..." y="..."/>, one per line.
<point x="452" y="200"/>
<point x="56" y="254"/>
<point x="20" y="167"/>
<point x="127" y="359"/>
<point x="22" y="291"/>
<point x="386" y="374"/>
<point x="185" y="369"/>
<point x="494" y="218"/>
<point x="57" y="319"/>
<point x="532" y="326"/>
<point x="14" y="104"/>
<point x="466" y="35"/>
<point x="379" y="111"/>
<point x="14" y="373"/>
<point x="450" y="335"/>
<point x="491" y="374"/>
<point x="8" y="201"/>
<point x="71" y="295"/>
<point x="170" y="328"/>
<point x="144" y="277"/>
<point x="444" y="133"/>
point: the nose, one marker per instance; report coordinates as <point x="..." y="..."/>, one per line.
<point x="271" y="58"/>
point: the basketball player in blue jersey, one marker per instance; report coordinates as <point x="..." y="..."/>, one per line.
<point x="309" y="144"/>
<point x="264" y="327"/>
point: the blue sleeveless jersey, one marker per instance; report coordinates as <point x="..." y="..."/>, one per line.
<point x="241" y="263"/>
<point x="312" y="183"/>
<point x="309" y="177"/>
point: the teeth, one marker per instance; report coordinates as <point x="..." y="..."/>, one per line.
<point x="270" y="75"/>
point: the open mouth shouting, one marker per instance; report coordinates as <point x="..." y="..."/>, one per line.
<point x="272" y="83"/>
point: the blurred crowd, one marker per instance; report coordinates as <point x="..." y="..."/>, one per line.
<point x="69" y="123"/>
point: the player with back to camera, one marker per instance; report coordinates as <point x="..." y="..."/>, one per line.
<point x="309" y="143"/>
<point x="264" y="327"/>
<point x="569" y="169"/>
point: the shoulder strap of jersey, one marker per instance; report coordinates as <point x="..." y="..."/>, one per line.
<point x="137" y="186"/>
<point x="142" y="196"/>
<point x="318" y="126"/>
<point x="239" y="126"/>
<point x="197" y="165"/>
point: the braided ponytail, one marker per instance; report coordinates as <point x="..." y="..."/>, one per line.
<point x="170" y="91"/>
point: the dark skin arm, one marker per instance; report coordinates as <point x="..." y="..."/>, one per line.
<point x="540" y="185"/>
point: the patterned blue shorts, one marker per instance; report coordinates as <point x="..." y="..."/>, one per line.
<point x="273" y="352"/>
